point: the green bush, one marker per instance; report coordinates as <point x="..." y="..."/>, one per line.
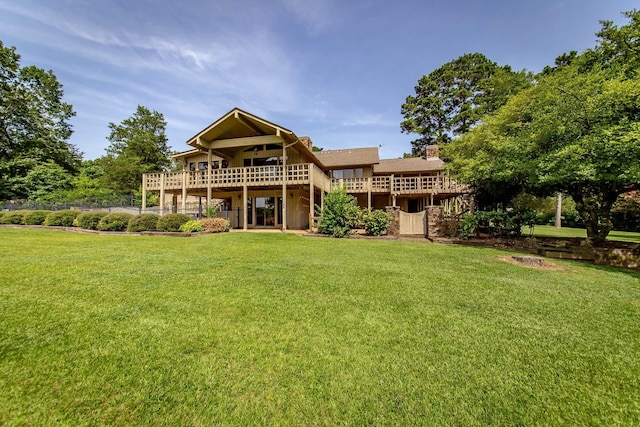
<point x="210" y="212"/>
<point x="625" y="213"/>
<point x="376" y="222"/>
<point x="13" y="217"/>
<point x="215" y="225"/>
<point x="1" y="215"/>
<point x="339" y="214"/>
<point x="467" y="225"/>
<point x="62" y="218"/>
<point x="143" y="222"/>
<point x="172" y="222"/>
<point x="90" y="220"/>
<point x="117" y="221"/>
<point x="497" y="223"/>
<point x="35" y="217"/>
<point x="192" y="226"/>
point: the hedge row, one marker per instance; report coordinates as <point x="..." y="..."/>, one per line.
<point x="117" y="221"/>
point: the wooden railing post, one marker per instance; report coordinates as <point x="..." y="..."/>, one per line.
<point x="184" y="192"/>
<point x="162" y="178"/>
<point x="144" y="192"/>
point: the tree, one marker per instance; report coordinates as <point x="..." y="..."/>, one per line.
<point x="453" y="98"/>
<point x="138" y="146"/>
<point x="576" y="131"/>
<point x="34" y="124"/>
<point x="87" y="186"/>
<point x="339" y="214"/>
<point x="46" y="181"/>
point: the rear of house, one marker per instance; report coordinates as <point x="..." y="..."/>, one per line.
<point x="261" y="175"/>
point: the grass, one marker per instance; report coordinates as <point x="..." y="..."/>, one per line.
<point x="551" y="231"/>
<point x="274" y="329"/>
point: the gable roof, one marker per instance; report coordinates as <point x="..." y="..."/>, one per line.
<point x="239" y="124"/>
<point x="348" y="157"/>
<point x="408" y="165"/>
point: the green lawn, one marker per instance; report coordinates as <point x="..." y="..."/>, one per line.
<point x="551" y="231"/>
<point x="278" y="329"/>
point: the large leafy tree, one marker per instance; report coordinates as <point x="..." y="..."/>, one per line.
<point x="576" y="131"/>
<point x="137" y="145"/>
<point x="34" y="124"/>
<point x="453" y="98"/>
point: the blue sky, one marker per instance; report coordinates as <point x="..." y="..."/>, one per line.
<point x="336" y="70"/>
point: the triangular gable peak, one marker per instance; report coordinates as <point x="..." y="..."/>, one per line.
<point x="238" y="129"/>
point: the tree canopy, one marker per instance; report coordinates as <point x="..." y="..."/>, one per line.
<point x="34" y="125"/>
<point x="453" y="98"/>
<point x="138" y="145"/>
<point x="577" y="130"/>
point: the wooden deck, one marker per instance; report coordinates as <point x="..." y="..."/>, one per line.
<point x="298" y="174"/>
<point x="400" y="185"/>
<point x="236" y="178"/>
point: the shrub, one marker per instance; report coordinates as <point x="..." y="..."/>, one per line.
<point x="35" y="217"/>
<point x="215" y="225"/>
<point x="13" y="217"/>
<point x="210" y="212"/>
<point x="339" y="214"/>
<point x="62" y="218"/>
<point x="90" y="220"/>
<point x="192" y="226"/>
<point x="376" y="221"/>
<point x="117" y="221"/>
<point x="625" y="213"/>
<point x="467" y="225"/>
<point x="1" y="215"/>
<point x="172" y="222"/>
<point x="143" y="222"/>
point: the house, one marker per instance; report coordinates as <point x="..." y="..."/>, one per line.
<point x="266" y="176"/>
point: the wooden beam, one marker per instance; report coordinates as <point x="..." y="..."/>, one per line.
<point x="209" y="161"/>
<point x="284" y="186"/>
<point x="144" y="192"/>
<point x="245" y="208"/>
<point x="218" y="144"/>
<point x="162" y="194"/>
<point x="184" y="191"/>
<point x="247" y="123"/>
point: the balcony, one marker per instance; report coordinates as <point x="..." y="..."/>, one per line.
<point x="235" y="178"/>
<point x="298" y="174"/>
<point x="400" y="185"/>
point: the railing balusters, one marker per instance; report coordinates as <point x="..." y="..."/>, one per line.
<point x="300" y="174"/>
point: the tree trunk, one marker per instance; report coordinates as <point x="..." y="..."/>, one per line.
<point x="559" y="209"/>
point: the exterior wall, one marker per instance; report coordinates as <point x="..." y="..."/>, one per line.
<point x="198" y="158"/>
<point x="298" y="205"/>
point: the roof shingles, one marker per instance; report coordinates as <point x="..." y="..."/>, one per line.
<point x="332" y="159"/>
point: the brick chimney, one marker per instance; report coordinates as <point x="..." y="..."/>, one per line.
<point x="306" y="141"/>
<point x="431" y="152"/>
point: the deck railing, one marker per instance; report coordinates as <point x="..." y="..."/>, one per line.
<point x="299" y="174"/>
<point x="231" y="177"/>
<point x="399" y="185"/>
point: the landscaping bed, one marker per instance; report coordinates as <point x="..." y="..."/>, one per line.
<point x="612" y="253"/>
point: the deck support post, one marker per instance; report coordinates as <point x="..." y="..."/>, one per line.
<point x="162" y="175"/>
<point x="245" y="202"/>
<point x="311" y="198"/>
<point x="369" y="192"/>
<point x="184" y="191"/>
<point x="284" y="186"/>
<point x="209" y="160"/>
<point x="144" y="192"/>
